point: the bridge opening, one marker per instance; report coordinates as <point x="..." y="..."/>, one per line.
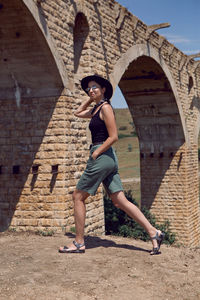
<point x="80" y="34"/>
<point x="158" y="126"/>
<point x="127" y="147"/>
<point x="30" y="85"/>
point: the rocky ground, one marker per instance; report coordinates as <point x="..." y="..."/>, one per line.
<point x="112" y="268"/>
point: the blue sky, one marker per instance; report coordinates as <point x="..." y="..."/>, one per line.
<point x="184" y="18"/>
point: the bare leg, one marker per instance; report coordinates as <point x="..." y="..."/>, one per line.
<point x="120" y="201"/>
<point x="79" y="198"/>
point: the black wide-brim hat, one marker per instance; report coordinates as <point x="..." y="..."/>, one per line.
<point x="101" y="81"/>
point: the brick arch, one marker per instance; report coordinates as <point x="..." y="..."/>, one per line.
<point x="80" y="34"/>
<point x="133" y="54"/>
<point x="78" y="7"/>
<point x="32" y="80"/>
<point x="80" y="23"/>
<point x="41" y="23"/>
<point x="31" y="66"/>
<point x="195" y="104"/>
<point x="152" y="98"/>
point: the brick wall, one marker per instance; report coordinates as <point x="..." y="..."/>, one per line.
<point x="47" y="49"/>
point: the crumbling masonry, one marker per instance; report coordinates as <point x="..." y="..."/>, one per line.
<point x="46" y="47"/>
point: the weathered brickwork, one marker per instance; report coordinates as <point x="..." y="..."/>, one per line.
<point x="46" y="48"/>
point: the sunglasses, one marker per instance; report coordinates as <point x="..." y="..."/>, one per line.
<point x="94" y="87"/>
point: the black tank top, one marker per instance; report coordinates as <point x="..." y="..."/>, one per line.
<point x="98" y="128"/>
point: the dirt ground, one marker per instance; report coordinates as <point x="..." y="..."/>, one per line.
<point x="112" y="268"/>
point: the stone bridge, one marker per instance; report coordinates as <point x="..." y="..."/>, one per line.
<point x="46" y="47"/>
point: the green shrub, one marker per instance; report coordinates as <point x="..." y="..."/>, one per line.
<point x="73" y="229"/>
<point x="119" y="223"/>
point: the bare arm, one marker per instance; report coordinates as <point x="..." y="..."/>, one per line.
<point x="83" y="111"/>
<point x="108" y="117"/>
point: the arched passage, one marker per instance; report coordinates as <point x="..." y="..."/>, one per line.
<point x="30" y="86"/>
<point x="80" y="32"/>
<point x="157" y="121"/>
<point x="27" y="62"/>
<point x="151" y="95"/>
<point x="148" y="51"/>
<point x="38" y="16"/>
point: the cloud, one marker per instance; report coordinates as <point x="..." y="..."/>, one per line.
<point x="186" y="45"/>
<point x="191" y="51"/>
<point x="177" y="39"/>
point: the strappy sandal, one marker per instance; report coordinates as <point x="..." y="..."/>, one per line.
<point x="159" y="239"/>
<point x="65" y="249"/>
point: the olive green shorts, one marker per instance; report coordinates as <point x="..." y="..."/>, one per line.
<point x="104" y="169"/>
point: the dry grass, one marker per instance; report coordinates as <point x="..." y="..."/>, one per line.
<point x="129" y="160"/>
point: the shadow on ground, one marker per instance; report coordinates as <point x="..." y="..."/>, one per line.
<point x="96" y="242"/>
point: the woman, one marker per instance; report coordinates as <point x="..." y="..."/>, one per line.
<point x="102" y="165"/>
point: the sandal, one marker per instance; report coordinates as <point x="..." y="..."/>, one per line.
<point x="65" y="249"/>
<point x="159" y="239"/>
